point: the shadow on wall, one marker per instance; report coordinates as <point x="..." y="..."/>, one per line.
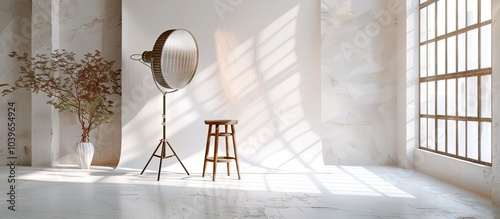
<point x="265" y="75"/>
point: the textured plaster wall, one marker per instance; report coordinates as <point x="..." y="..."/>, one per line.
<point x="358" y="81"/>
<point x="15" y="35"/>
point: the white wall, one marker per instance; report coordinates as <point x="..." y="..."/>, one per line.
<point x="259" y="63"/>
<point x="359" y="81"/>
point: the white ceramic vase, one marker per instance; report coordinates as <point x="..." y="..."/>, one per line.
<point x="85" y="151"/>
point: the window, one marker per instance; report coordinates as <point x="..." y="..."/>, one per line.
<point x="455" y="78"/>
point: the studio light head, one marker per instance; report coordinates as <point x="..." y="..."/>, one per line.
<point x="173" y="60"/>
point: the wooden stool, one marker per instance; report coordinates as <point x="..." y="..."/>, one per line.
<point x="218" y="134"/>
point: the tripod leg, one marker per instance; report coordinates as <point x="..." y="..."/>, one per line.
<point x="161" y="158"/>
<point x="170" y="146"/>
<point x="152" y="155"/>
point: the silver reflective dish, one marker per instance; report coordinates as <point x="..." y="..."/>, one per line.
<point x="174" y="58"/>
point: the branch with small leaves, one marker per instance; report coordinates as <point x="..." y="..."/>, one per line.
<point x="85" y="87"/>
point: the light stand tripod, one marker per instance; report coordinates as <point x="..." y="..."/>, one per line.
<point x="163" y="143"/>
<point x="173" y="62"/>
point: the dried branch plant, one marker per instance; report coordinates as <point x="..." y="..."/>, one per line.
<point x="83" y="87"/>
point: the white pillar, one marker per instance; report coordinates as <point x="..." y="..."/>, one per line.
<point x="495" y="171"/>
<point x="407" y="83"/>
<point x="45" y="119"/>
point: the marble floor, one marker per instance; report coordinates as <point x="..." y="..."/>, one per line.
<point x="338" y="192"/>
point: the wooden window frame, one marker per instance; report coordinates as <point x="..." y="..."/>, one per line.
<point x="478" y="73"/>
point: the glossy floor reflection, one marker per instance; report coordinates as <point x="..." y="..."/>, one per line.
<point x="339" y="192"/>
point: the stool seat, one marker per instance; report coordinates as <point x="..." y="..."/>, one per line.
<point x="221" y="122"/>
<point x="227" y="133"/>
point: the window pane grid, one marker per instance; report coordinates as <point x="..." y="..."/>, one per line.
<point x="455" y="79"/>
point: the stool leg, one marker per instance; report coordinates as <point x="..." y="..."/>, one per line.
<point x="235" y="150"/>
<point x="216" y="149"/>
<point x="227" y="149"/>
<point x="207" y="149"/>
